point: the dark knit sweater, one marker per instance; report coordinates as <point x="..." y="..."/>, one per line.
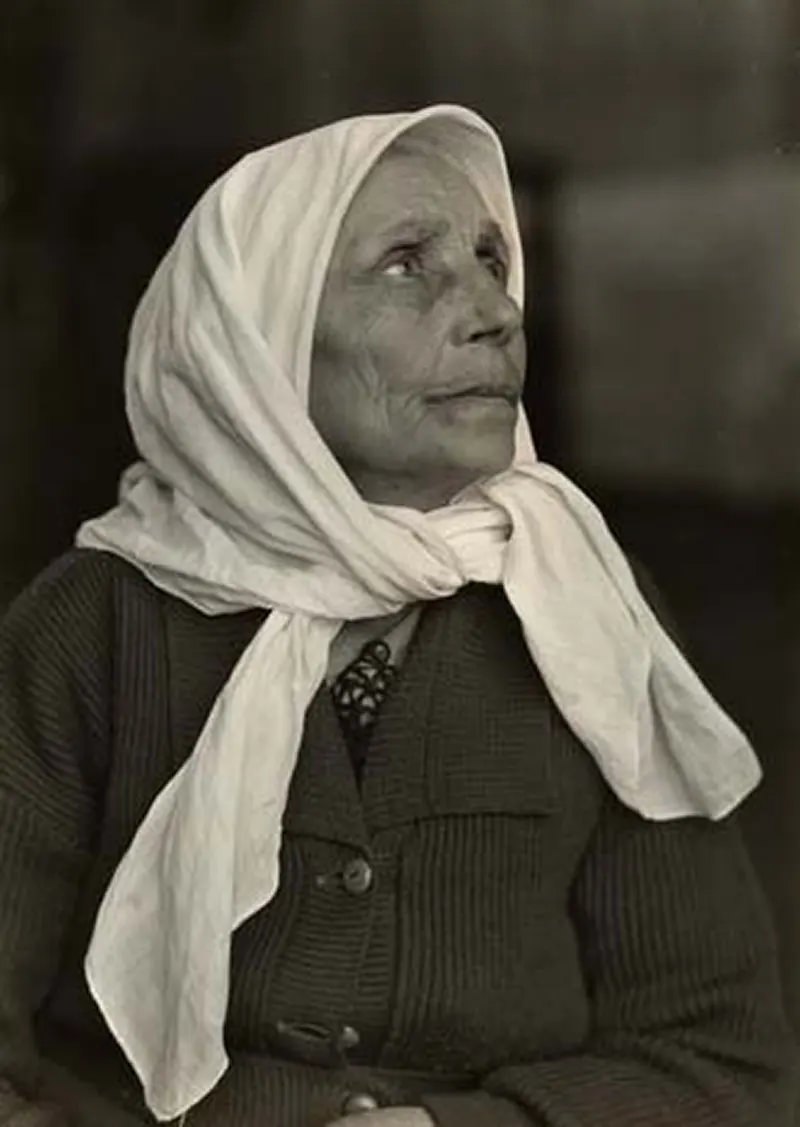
<point x="511" y="945"/>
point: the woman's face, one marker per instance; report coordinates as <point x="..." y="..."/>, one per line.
<point x="419" y="354"/>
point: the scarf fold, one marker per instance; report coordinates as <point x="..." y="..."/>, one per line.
<point x="238" y="503"/>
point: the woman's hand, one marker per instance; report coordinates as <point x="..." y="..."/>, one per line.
<point x="387" y="1117"/>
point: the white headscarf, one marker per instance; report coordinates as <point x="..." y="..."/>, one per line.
<point x="238" y="503"/>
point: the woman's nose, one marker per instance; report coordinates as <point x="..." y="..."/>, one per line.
<point x="486" y="314"/>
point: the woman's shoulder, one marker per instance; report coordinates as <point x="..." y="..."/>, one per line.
<point x="86" y="597"/>
<point x="67" y="612"/>
<point x="56" y="655"/>
<point x="78" y="584"/>
<point x="81" y="569"/>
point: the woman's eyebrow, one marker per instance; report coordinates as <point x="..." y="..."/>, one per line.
<point x="363" y="248"/>
<point x="415" y="230"/>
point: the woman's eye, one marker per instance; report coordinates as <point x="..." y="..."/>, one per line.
<point x="403" y="264"/>
<point x="496" y="267"/>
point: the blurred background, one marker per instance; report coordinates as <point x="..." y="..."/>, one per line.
<point x="655" y="153"/>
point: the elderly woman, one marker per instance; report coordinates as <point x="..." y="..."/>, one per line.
<point x="346" y="775"/>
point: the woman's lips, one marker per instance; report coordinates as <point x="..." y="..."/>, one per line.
<point x="503" y="394"/>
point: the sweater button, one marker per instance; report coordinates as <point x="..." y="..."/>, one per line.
<point x="348" y="1038"/>
<point x="357" y="876"/>
<point x="358" y="1102"/>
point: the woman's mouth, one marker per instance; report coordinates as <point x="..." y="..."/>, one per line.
<point x="498" y="393"/>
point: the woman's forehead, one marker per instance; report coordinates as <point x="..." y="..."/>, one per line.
<point x="406" y="187"/>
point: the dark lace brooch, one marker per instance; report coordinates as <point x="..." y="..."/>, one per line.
<point x="359" y="691"/>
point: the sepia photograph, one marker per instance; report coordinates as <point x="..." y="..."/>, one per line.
<point x="399" y="563"/>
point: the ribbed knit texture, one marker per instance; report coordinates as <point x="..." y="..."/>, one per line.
<point x="524" y="952"/>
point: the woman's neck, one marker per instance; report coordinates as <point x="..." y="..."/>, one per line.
<point x="407" y="491"/>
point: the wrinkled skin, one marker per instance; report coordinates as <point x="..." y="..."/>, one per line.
<point x="419" y="353"/>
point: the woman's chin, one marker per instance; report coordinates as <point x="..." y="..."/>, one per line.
<point x="478" y="462"/>
<point x="485" y="450"/>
